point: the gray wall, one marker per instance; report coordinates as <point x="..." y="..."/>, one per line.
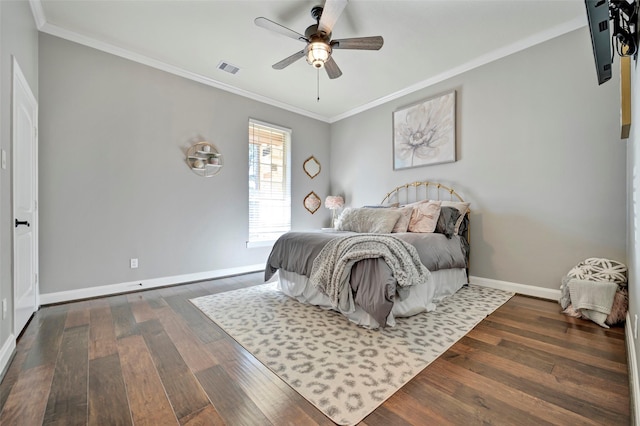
<point x="113" y="179"/>
<point x="633" y="208"/>
<point x="19" y="39"/>
<point x="539" y="158"/>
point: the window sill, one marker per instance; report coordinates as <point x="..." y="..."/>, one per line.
<point x="256" y="244"/>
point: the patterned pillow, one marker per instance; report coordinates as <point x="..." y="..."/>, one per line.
<point x="367" y="220"/>
<point x="600" y="269"/>
<point x="447" y="221"/>
<point x="402" y="225"/>
<point x="462" y="206"/>
<point x="425" y="217"/>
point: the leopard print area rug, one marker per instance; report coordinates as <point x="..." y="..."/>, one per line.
<point x="346" y="371"/>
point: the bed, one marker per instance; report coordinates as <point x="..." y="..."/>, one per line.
<point x="394" y="259"/>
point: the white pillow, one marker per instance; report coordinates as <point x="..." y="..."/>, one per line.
<point x="368" y="220"/>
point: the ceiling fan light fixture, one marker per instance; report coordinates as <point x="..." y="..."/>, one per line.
<point x="319" y="45"/>
<point x="318" y="52"/>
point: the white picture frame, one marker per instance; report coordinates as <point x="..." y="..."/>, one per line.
<point x="424" y="133"/>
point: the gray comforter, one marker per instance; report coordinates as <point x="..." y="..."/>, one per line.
<point x="372" y="282"/>
<point x="332" y="268"/>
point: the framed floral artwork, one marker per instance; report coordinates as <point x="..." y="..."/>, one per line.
<point x="425" y="133"/>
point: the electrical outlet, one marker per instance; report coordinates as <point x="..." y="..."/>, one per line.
<point x="4" y="308"/>
<point x="133" y="263"/>
<point x="635" y="326"/>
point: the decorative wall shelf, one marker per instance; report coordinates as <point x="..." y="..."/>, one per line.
<point x="204" y="159"/>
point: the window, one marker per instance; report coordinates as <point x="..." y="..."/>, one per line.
<point x="269" y="182"/>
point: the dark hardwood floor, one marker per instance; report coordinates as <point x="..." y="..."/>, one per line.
<point x="152" y="358"/>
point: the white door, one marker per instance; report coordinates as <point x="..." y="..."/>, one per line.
<point x="25" y="195"/>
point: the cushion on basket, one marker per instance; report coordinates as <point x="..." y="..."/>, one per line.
<point x="596" y="289"/>
<point x="597" y="269"/>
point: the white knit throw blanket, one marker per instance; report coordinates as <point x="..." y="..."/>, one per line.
<point x="593" y="299"/>
<point x="332" y="268"/>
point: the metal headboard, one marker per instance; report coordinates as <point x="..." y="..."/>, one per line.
<point x="427" y="191"/>
<point x="432" y="190"/>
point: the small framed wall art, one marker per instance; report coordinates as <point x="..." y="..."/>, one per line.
<point x="311" y="167"/>
<point x="425" y="133"/>
<point x="312" y="202"/>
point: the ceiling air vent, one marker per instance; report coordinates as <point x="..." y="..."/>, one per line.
<point x="225" y="66"/>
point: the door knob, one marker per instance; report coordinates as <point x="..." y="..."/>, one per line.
<point x="22" y="222"/>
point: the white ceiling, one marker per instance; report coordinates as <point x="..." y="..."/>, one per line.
<point x="425" y="42"/>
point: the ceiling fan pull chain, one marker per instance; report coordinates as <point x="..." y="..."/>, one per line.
<point x="318" y="85"/>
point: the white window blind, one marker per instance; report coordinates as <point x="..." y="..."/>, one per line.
<point x="269" y="181"/>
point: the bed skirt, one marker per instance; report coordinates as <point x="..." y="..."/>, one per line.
<point x="421" y="298"/>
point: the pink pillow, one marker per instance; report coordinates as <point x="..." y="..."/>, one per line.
<point x="424" y="217"/>
<point x="402" y="225"/>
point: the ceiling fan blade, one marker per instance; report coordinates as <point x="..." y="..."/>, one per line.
<point x="288" y="61"/>
<point x="268" y="24"/>
<point x="358" y="43"/>
<point x="333" y="71"/>
<point x="330" y="13"/>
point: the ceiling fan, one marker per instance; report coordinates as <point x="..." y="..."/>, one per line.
<point x="318" y="38"/>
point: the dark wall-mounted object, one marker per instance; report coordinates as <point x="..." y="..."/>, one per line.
<point x="613" y="25"/>
<point x="624" y="26"/>
<point x="598" y="17"/>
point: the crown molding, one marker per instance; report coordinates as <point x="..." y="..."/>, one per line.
<point x="38" y="13"/>
<point x="163" y="66"/>
<point x="541" y="37"/>
<point x="510" y="49"/>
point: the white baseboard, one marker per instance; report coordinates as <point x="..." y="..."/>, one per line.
<point x="6" y="352"/>
<point x="528" y="290"/>
<point x="634" y="385"/>
<point x="105" y="290"/>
